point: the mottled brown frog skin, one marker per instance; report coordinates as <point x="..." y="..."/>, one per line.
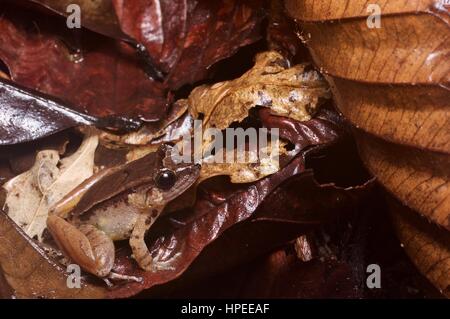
<point x="124" y="213"/>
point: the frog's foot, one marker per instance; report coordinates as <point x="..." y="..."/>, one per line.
<point x="86" y="245"/>
<point x="159" y="264"/>
<point x="137" y="242"/>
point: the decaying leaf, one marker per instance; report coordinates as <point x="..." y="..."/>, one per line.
<point x="252" y="169"/>
<point x="31" y="194"/>
<point x="26" y="116"/>
<point x="291" y="92"/>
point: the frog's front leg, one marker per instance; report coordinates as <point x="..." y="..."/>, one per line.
<point x="137" y="239"/>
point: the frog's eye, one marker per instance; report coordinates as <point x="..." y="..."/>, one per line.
<point x="165" y="179"/>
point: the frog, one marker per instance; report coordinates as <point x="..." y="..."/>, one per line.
<point x="118" y="203"/>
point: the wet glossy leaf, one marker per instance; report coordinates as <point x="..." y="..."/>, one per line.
<point x="184" y="38"/>
<point x="28" y="115"/>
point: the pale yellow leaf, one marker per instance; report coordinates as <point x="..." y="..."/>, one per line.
<point x="30" y="194"/>
<point x="293" y="92"/>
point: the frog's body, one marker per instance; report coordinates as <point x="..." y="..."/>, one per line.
<point x="116" y="205"/>
<point x="116" y="220"/>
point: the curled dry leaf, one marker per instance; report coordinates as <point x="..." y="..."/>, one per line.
<point x="291" y="92"/>
<point x="396" y="94"/>
<point x="31" y="194"/>
<point x="104" y="79"/>
<point x="184" y="38"/>
<point x="418" y="178"/>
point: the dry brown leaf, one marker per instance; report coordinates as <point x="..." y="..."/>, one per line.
<point x="32" y="193"/>
<point x="427" y="245"/>
<point x="418" y="178"/>
<point x="291" y="92"/>
<point x="393" y="85"/>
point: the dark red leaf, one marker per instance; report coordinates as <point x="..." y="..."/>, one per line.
<point x="184" y="38"/>
<point x="324" y="128"/>
<point x="105" y="78"/>
<point x="28" y="115"/>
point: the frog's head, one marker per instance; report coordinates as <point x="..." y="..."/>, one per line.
<point x="172" y="178"/>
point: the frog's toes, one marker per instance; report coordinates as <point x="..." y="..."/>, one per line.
<point x="161" y="267"/>
<point x="159" y="264"/>
<point x="116" y="276"/>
